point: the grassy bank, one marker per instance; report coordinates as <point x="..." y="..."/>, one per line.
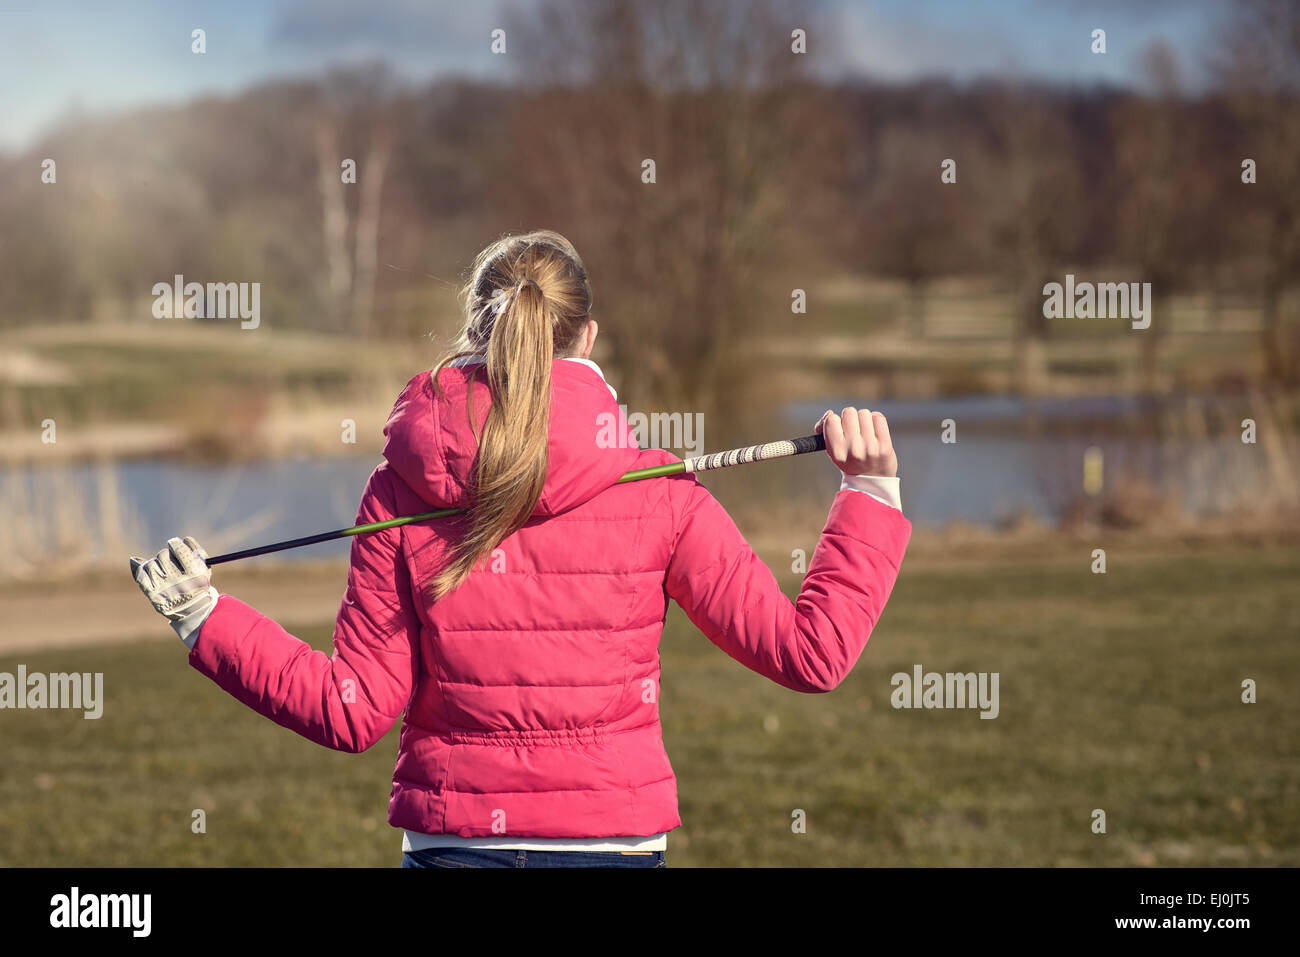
<point x="1119" y="692"/>
<point x="220" y="393"/>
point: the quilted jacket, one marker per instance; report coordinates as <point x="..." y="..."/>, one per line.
<point x="529" y="696"/>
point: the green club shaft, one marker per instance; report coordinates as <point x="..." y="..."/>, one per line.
<point x="752" y="453"/>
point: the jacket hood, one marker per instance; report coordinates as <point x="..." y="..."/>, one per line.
<point x="431" y="446"/>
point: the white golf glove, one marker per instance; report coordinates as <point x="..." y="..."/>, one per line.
<point x="178" y="582"/>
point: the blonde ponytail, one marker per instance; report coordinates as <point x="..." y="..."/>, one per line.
<point x="528" y="300"/>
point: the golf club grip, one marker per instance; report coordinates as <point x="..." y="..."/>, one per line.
<point x="757" y="453"/>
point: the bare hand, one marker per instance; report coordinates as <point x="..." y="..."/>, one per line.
<point x="858" y="442"/>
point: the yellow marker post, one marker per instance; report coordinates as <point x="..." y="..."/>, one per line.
<point x="1092" y="471"/>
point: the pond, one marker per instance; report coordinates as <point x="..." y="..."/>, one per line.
<point x="1011" y="458"/>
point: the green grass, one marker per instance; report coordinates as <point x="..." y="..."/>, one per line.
<point x="1119" y="692"/>
<point x="126" y="373"/>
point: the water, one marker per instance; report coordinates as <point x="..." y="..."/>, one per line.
<point x="225" y="507"/>
<point x="1014" y="457"/>
<point x="992" y="473"/>
<point x="984" y="410"/>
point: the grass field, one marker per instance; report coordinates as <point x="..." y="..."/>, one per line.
<point x="1118" y="691"/>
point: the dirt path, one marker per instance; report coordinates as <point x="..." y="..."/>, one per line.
<point x="112" y="611"/>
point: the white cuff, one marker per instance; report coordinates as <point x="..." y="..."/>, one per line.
<point x="884" y="489"/>
<point x="194" y="614"/>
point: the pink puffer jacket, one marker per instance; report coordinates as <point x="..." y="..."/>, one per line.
<point x="530" y="693"/>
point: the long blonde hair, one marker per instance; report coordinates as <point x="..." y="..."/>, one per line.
<point x="527" y="301"/>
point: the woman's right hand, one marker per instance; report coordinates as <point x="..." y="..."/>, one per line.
<point x="858" y="442"/>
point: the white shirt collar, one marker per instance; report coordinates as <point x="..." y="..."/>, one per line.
<point x="471" y="360"/>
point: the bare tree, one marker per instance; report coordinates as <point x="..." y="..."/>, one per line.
<point x="1153" y="199"/>
<point x="1030" y="200"/>
<point x="334" y="216"/>
<point x="373" y="171"/>
<point x="911" y="223"/>
<point x="1260" y="69"/>
<point x="707" y="92"/>
<point x="356" y="106"/>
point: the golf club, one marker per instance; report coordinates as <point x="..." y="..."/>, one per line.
<point x="716" y="460"/>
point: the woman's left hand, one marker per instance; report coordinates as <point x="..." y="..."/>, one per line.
<point x="178" y="583"/>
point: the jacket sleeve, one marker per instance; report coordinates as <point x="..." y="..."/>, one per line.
<point x="346" y="701"/>
<point x="807" y="645"/>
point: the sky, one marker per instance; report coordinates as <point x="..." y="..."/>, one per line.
<point x="60" y="57"/>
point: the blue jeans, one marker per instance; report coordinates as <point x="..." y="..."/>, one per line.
<point x="479" y="857"/>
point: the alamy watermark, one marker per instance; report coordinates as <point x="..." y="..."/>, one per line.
<point x="933" y="689"/>
<point x="75" y="909"/>
<point x="654" y="430"/>
<point x="1105" y="300"/>
<point x="215" y="300"/>
<point x="36" y="691"/>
